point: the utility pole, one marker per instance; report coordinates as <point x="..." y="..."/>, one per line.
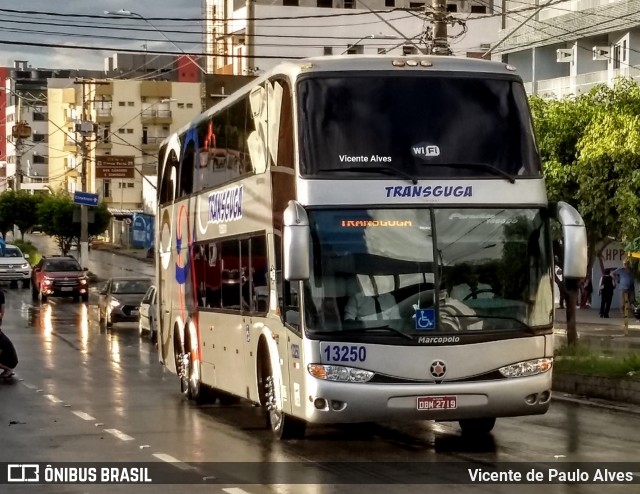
<point x="440" y="41"/>
<point x="21" y="130"/>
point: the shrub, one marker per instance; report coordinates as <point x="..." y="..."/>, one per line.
<point x="29" y="248"/>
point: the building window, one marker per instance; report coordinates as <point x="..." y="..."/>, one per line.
<point x="349" y="4"/>
<point x="39" y="116"/>
<point x="121" y="103"/>
<point x="130" y="185"/>
<point x="39" y="137"/>
<point x="121" y="131"/>
<point x="478" y="9"/>
<point x="328" y="50"/>
<point x="131" y="103"/>
<point x="452" y="7"/>
<point x="290" y="3"/>
<point x="624" y="50"/>
<point x="106" y="188"/>
<point x="180" y="105"/>
<point x="189" y="105"/>
<point x="326" y="4"/>
<point x="389" y="3"/>
<point x="40" y="160"/>
<point x="416" y="5"/>
<point x="129" y="131"/>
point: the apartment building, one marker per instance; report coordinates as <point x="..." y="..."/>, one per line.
<point x="568" y="47"/>
<point x="121" y="123"/>
<point x="248" y="38"/>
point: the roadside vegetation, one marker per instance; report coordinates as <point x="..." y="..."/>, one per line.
<point x="590" y="150"/>
<point x="28" y="248"/>
<point x="55" y="214"/>
<point x="593" y="361"/>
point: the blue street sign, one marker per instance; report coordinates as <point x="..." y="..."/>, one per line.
<point x="85" y="198"/>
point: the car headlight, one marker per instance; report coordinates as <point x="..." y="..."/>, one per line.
<point x="527" y="368"/>
<point x="339" y="373"/>
<point x="25" y="265"/>
<point x="114" y="303"/>
<point x="83" y="281"/>
<point x="47" y="281"/>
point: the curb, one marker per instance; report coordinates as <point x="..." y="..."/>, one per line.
<point x="595" y="403"/>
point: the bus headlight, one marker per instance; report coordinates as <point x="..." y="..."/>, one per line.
<point x="339" y="373"/>
<point x="527" y="368"/>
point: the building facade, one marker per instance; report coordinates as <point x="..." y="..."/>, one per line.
<point x="569" y="47"/>
<point x="125" y="122"/>
<point x="248" y="38"/>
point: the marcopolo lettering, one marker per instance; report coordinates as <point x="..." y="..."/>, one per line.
<point x="438" y="339"/>
<point x="429" y="191"/>
<point x="226" y="205"/>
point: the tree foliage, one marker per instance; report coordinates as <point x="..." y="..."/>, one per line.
<point x="590" y="148"/>
<point x="56" y="215"/>
<point x="18" y="209"/>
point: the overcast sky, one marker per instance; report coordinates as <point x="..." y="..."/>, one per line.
<point x="26" y="21"/>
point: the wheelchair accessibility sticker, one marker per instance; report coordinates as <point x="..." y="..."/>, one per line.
<point x="425" y="319"/>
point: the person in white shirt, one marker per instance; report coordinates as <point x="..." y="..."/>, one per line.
<point x="361" y="307"/>
<point x="472" y="289"/>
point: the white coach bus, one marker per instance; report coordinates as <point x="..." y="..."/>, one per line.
<point x="351" y="239"/>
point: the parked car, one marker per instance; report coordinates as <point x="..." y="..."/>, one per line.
<point x="120" y="300"/>
<point x="59" y="276"/>
<point x="147" y="323"/>
<point x="15" y="267"/>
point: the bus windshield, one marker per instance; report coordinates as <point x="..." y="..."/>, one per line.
<point x="427" y="125"/>
<point x="422" y="271"/>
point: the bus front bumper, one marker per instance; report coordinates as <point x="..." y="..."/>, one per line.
<point x="335" y="402"/>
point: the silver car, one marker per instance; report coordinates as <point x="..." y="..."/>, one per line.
<point x="120" y="300"/>
<point x="15" y="267"/>
<point x="147" y="322"/>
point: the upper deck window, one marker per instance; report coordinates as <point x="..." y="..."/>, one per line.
<point x="433" y="125"/>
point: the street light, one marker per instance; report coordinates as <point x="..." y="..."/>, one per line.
<point x="371" y="36"/>
<point x="128" y="13"/>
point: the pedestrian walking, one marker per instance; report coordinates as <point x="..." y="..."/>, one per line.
<point x="624" y="279"/>
<point x="607" y="287"/>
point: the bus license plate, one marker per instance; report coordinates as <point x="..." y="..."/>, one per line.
<point x="437" y="402"/>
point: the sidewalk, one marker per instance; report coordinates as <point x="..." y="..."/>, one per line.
<point x="605" y="333"/>
<point x="140" y="254"/>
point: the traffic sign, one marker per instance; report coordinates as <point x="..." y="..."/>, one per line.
<point x="85" y="198"/>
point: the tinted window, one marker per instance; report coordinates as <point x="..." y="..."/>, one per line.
<point x="60" y="266"/>
<point x="130" y="286"/>
<point x="427" y="125"/>
<point x="12" y="252"/>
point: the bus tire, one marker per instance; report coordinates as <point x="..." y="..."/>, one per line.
<point x="477" y="427"/>
<point x="282" y="425"/>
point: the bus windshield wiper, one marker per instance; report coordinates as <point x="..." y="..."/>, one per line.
<point x="387" y="170"/>
<point x="365" y="329"/>
<point x="485" y="166"/>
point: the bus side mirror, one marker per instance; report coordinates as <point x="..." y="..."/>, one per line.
<point x="574" y="234"/>
<point x="297" y="245"/>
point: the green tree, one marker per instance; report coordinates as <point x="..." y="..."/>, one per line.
<point x="589" y="148"/>
<point x="18" y="209"/>
<point x="56" y="215"/>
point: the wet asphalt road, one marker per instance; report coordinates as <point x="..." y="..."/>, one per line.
<point x="89" y="395"/>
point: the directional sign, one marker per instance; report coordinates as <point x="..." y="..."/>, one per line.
<point x="85" y="198"/>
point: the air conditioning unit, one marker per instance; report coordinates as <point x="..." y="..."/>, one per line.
<point x="601" y="52"/>
<point x="564" y="55"/>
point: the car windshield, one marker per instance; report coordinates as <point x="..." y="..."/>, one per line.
<point x="62" y="266"/>
<point x="13" y="252"/>
<point x="130" y="286"/>
<point x="429" y="271"/>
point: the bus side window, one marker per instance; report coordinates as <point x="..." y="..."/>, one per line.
<point x="187" y="170"/>
<point x="231" y="274"/>
<point x="259" y="278"/>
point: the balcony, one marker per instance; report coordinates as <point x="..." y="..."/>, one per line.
<point x="561" y="87"/>
<point x="104" y="116"/>
<point x="152" y="143"/>
<point x="156" y="117"/>
<point x="102" y="144"/>
<point x="70" y="146"/>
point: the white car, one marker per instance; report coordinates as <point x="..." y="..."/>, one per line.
<point x="15" y="267"/>
<point x="147" y="322"/>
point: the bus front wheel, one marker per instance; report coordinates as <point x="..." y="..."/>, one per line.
<point x="282" y="425"/>
<point x="477" y="426"/>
